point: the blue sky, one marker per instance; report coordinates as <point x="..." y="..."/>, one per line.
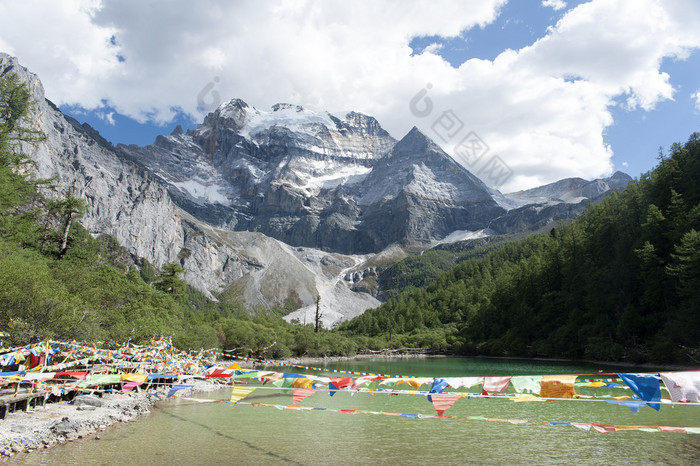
<point x="553" y="88"/>
<point x="636" y="135"/>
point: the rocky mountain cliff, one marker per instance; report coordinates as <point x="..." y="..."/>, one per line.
<point x="282" y="205"/>
<point x="312" y="179"/>
<point x="126" y="201"/>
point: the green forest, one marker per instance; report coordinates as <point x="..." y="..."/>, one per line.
<point x="619" y="283"/>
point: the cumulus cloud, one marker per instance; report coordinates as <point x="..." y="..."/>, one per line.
<point x="542" y="109"/>
<point x="556" y="4"/>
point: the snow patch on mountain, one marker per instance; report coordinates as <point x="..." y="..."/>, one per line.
<point x="207" y="193"/>
<point x="461" y="235"/>
<point x="293" y="117"/>
<point x="426" y="184"/>
<point x="343" y="175"/>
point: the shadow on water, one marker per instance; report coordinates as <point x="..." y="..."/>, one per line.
<point x="221" y="434"/>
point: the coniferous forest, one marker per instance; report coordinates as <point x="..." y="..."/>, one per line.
<point x="621" y="282"/>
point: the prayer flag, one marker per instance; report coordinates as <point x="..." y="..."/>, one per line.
<point x="557" y="386"/>
<point x="527" y="384"/>
<point x="683" y="386"/>
<point x="239" y="393"/>
<point x="302" y="393"/>
<point x="604" y="428"/>
<point x="129" y="386"/>
<point x="302" y="383"/>
<point x="496" y="384"/>
<point x="439" y="385"/>
<point x="176" y="388"/>
<point x="444" y="401"/>
<point x="633" y="405"/>
<point x="646" y="387"/>
<point x="458" y="382"/>
<point x="141" y="378"/>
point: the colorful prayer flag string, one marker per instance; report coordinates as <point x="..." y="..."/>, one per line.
<point x="603" y="428"/>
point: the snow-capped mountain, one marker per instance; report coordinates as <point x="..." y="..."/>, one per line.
<point x="313" y="179"/>
<point x="570" y="190"/>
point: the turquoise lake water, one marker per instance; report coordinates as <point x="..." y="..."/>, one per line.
<point x="186" y="432"/>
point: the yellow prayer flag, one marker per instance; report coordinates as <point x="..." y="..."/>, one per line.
<point x="302" y="383"/>
<point x="526" y="397"/>
<point x="594" y="384"/>
<point x="138" y="378"/>
<point x="415" y="382"/>
<point x="239" y="393"/>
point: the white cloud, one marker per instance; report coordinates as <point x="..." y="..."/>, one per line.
<point x="108" y="117"/>
<point x="543" y="109"/>
<point x="6" y="47"/>
<point x="556" y="4"/>
<point x="696" y="96"/>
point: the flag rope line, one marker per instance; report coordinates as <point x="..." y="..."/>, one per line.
<point x="513" y="396"/>
<point x="603" y="428"/>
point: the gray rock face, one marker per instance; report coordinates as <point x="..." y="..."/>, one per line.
<point x="126" y="201"/>
<point x="123" y="200"/>
<point x="314" y="180"/>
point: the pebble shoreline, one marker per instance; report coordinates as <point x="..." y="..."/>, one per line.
<point x="86" y="417"/>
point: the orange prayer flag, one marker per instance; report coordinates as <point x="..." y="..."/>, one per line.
<point x="678" y="430"/>
<point x="557" y="386"/>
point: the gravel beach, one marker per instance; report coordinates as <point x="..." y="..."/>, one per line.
<point x="86" y="416"/>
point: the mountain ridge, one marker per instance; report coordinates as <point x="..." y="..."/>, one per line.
<point x="198" y="197"/>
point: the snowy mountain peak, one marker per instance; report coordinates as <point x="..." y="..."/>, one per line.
<point x="234" y="111"/>
<point x="284" y="106"/>
<point x="415" y="143"/>
<point x="361" y="124"/>
<point x="294" y="118"/>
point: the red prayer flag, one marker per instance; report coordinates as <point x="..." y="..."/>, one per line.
<point x="444" y="401"/>
<point x="604" y="428"/>
<point x="496" y="384"/>
<point x="302" y="393"/>
<point x="342" y="382"/>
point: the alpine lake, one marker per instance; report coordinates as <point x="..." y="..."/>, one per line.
<point x="183" y="431"/>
